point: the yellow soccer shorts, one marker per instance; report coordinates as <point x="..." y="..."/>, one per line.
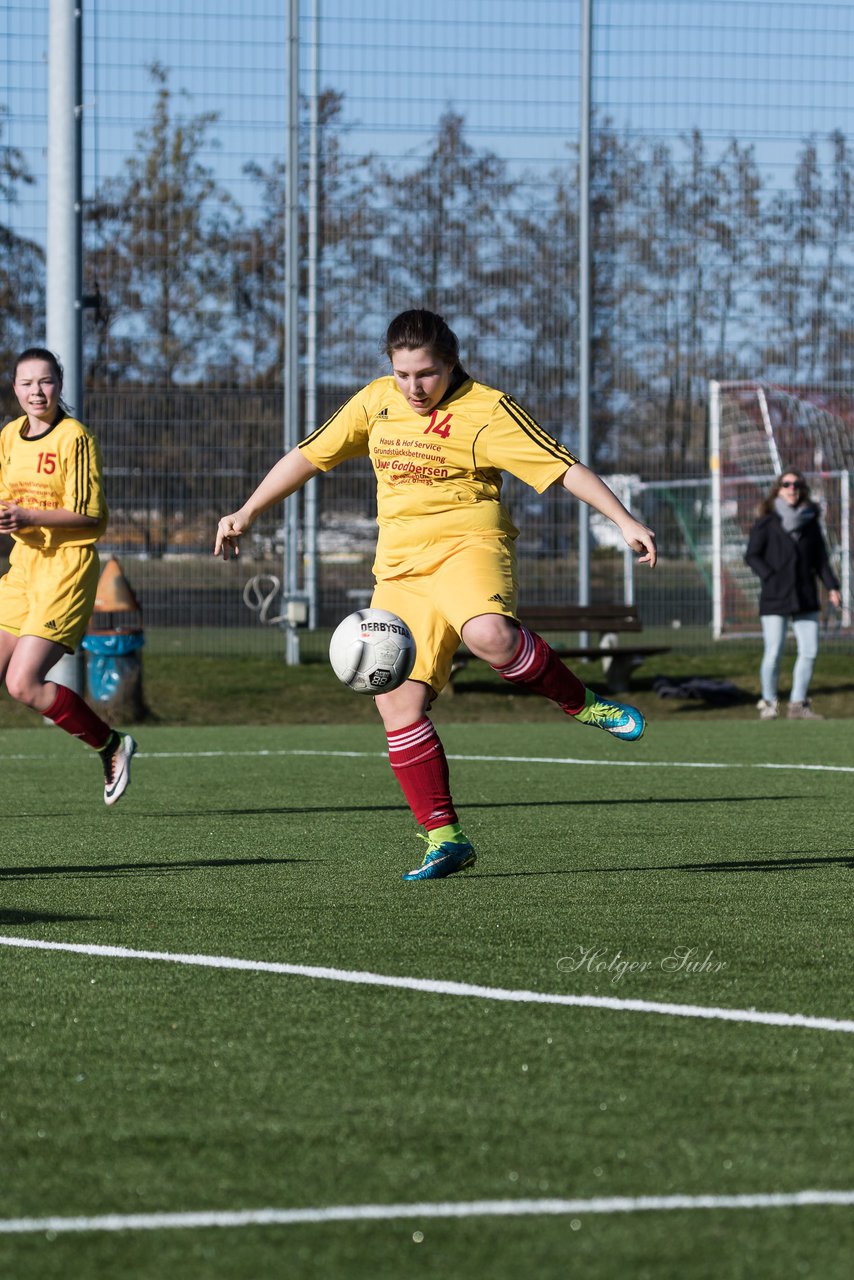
<point x="476" y="575"/>
<point x="49" y="593"/>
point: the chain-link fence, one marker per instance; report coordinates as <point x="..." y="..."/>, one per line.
<point x="439" y="167"/>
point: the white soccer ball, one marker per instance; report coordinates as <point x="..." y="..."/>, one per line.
<point x="372" y="651"/>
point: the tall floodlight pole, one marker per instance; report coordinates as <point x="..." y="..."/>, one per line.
<point x="64" y="329"/>
<point x="290" y="567"/>
<point x="845" y="547"/>
<point x="715" y="474"/>
<point x="64" y="184"/>
<point x="311" y="307"/>
<point x="584" y="296"/>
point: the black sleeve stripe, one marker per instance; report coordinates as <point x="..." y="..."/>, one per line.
<point x="536" y="433"/>
<point x="322" y="428"/>
<point x="531" y="427"/>
<point x="82" y="471"/>
<point x="85" y="475"/>
<point x="518" y="412"/>
<point x="78" y="474"/>
<point x="88" y="488"/>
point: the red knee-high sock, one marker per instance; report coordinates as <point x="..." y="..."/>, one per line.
<point x="536" y="666"/>
<point x="418" y="761"/>
<point x="71" y="713"/>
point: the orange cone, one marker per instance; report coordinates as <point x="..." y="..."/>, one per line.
<point x="115" y="594"/>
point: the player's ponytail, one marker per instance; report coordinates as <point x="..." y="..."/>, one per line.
<point x="412" y="330"/>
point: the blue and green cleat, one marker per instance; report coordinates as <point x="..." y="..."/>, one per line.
<point x="623" y="722"/>
<point x="443" y="859"/>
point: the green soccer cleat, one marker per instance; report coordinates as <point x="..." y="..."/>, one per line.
<point x="623" y="722"/>
<point x="442" y="860"/>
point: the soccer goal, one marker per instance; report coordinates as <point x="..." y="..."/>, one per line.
<point x="756" y="430"/>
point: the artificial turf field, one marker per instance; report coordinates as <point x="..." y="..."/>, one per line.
<point x="153" y="1086"/>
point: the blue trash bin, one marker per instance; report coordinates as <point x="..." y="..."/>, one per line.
<point x="113" y="663"/>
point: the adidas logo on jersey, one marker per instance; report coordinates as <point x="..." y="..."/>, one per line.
<point x="497" y="599"/>
<point x="50" y="626"/>
<point x="382" y="415"/>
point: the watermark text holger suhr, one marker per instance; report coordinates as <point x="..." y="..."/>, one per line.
<point x="602" y="960"/>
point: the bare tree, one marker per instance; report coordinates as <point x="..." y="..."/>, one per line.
<point x="348" y="222"/>
<point x="448" y="236"/>
<point x="21" y="266"/>
<point x="158" y="237"/>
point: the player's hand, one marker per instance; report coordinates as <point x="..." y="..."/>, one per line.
<point x="13" y="517"/>
<point x="228" y="531"/>
<point x="641" y="539"/>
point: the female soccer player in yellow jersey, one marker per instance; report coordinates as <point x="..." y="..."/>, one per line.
<point x="445" y="561"/>
<point x="52" y="504"/>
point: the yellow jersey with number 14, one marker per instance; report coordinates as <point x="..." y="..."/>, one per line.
<point x="59" y="470"/>
<point x="438" y="474"/>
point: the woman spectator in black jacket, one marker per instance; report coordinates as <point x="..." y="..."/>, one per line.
<point x="787" y="551"/>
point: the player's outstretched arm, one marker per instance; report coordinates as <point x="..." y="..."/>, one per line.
<point x="586" y="485"/>
<point x="289" y="474"/>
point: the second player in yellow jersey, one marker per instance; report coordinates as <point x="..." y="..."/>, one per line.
<point x="52" y="504"/>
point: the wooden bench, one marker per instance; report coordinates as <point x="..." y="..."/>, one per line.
<point x="609" y="621"/>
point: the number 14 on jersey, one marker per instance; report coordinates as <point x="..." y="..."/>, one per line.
<point x="439" y="427"/>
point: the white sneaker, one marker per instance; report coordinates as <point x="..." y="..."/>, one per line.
<point x="117" y="758"/>
<point x="768" y="710"/>
<point x="802" y="711"/>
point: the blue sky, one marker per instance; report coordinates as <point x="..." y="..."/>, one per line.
<point x="769" y="73"/>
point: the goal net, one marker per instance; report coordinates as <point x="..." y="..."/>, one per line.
<point x="757" y="430"/>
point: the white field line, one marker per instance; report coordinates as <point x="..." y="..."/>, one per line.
<point x="618" y="764"/>
<point x="433" y="986"/>
<point x="419" y="1212"/>
<point x="382" y="755"/>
